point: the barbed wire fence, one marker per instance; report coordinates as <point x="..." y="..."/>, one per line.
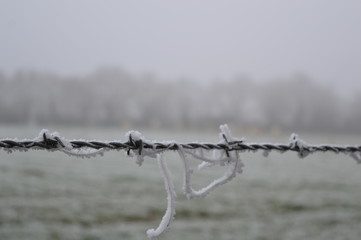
<point x="224" y="153"/>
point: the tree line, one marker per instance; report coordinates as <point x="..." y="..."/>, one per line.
<point x="113" y="97"/>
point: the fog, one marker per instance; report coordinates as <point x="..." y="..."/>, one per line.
<point x="284" y="65"/>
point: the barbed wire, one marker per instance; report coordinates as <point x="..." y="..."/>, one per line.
<point x="56" y="143"/>
<point x="135" y="142"/>
<point x="48" y="141"/>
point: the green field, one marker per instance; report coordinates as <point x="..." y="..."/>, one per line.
<point x="49" y="195"/>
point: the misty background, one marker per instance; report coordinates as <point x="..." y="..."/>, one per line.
<point x="114" y="97"/>
<point x="261" y="65"/>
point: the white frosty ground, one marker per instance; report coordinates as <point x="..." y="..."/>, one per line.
<point x="48" y="196"/>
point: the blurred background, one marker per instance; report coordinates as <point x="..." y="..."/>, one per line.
<point x="177" y="70"/>
<point x="280" y="65"/>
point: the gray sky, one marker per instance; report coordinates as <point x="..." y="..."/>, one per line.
<point x="201" y="39"/>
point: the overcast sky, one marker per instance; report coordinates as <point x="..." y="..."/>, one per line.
<point x="202" y="39"/>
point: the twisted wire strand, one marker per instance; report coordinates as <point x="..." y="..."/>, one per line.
<point x="55" y="143"/>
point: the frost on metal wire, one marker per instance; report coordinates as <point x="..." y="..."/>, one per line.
<point x="232" y="159"/>
<point x="171" y="195"/>
<point x="225" y="153"/>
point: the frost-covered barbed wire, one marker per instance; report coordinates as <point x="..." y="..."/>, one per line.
<point x="136" y="142"/>
<point x="224" y="153"/>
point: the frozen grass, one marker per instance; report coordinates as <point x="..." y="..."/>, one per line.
<point x="53" y="196"/>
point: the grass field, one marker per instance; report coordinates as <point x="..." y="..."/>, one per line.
<point x="49" y="195"/>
